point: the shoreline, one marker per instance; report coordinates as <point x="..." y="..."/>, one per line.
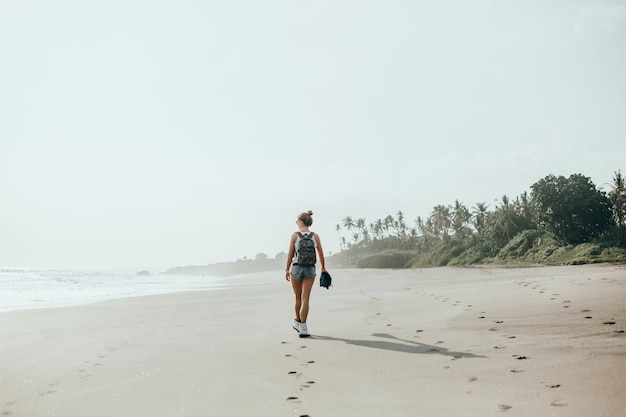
<point x="43" y="289"/>
<point x="439" y="342"/>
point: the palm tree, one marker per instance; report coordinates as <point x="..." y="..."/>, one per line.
<point x="378" y="228"/>
<point x="362" y="226"/>
<point x="348" y="223"/>
<point x="523" y="206"/>
<point x="430" y="233"/>
<point x="338" y="228"/>
<point x="400" y="225"/>
<point x="441" y="221"/>
<point x="617" y="196"/>
<point x="505" y="217"/>
<point x="387" y="223"/>
<point x="479" y="216"/>
<point x="460" y="218"/>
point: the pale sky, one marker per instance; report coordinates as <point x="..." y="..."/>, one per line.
<point x="163" y="133"/>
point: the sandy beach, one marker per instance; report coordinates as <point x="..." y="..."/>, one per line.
<point x="481" y="341"/>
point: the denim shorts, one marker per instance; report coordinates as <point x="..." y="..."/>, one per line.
<point x="302" y="272"/>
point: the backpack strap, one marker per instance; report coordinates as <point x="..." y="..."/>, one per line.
<point x="302" y="236"/>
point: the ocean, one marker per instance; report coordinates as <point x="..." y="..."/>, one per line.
<point x="34" y="288"/>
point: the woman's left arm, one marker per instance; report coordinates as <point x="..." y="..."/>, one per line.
<point x="320" y="252"/>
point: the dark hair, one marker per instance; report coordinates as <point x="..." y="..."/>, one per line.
<point x="306" y="218"/>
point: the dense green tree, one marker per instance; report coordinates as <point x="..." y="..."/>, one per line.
<point x="572" y="209"/>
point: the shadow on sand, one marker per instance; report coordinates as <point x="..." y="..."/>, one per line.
<point x="408" y="346"/>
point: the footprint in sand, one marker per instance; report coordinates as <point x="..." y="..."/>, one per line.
<point x="609" y="322"/>
<point x="520" y="357"/>
<point x="553" y="385"/>
<point x="558" y="403"/>
<point x="517" y="370"/>
<point x="307" y="385"/>
<point x="472" y="379"/>
<point x="504" y="407"/>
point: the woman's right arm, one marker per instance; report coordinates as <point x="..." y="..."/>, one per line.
<point x="290" y="254"/>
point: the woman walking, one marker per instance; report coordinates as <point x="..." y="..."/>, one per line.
<point x="300" y="268"/>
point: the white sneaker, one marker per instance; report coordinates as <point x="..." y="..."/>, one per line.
<point x="296" y="325"/>
<point x="304" y="332"/>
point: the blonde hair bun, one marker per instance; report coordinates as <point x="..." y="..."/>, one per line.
<point x="306" y="217"/>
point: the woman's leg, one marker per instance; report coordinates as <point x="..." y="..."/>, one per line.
<point x="297" y="290"/>
<point x="307" y="285"/>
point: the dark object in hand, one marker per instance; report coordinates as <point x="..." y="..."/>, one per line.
<point x="326" y="280"/>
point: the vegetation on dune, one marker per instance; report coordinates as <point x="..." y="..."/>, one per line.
<point x="562" y="221"/>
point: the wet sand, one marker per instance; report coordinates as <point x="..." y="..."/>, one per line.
<point x="545" y="341"/>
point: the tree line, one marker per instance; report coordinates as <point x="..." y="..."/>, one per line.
<point x="559" y="215"/>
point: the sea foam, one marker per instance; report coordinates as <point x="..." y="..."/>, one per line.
<point x="32" y="288"/>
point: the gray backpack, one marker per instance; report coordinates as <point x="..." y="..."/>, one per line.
<point x="306" y="250"/>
